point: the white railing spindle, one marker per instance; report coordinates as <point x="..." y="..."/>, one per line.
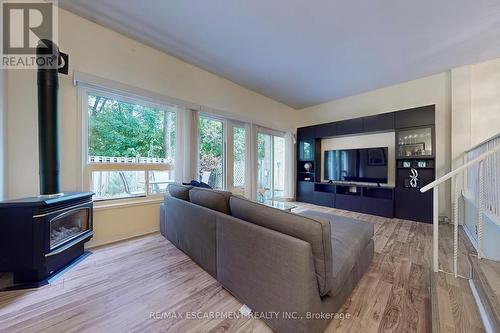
<point x="491" y="172"/>
<point x="492" y="205"/>
<point x="480" y="209"/>
<point x="435" y="226"/>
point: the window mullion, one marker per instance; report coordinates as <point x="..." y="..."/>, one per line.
<point x="229" y="158"/>
<point x="272" y="167"/>
<point x="146" y="181"/>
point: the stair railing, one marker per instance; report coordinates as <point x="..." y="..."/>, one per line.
<point x="493" y="164"/>
<point x="491" y="173"/>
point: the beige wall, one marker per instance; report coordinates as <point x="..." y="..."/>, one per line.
<point x="476" y="105"/>
<point x="96" y="50"/>
<point x="433" y="89"/>
<point x="475" y="118"/>
<point x="364" y="141"/>
<point x="112" y="225"/>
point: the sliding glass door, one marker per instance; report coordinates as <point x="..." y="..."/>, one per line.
<point x="270" y="166"/>
<point x="225" y="154"/>
<point x="264" y="166"/>
<point x="212" y="152"/>
<point x="278" y="166"/>
<point x="237" y="158"/>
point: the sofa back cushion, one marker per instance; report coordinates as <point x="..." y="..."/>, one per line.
<point x="179" y="191"/>
<point x="212" y="199"/>
<point x="317" y="232"/>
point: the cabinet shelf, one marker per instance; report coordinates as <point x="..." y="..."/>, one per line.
<point x="416" y="157"/>
<point x="326" y="188"/>
<point x="407" y="168"/>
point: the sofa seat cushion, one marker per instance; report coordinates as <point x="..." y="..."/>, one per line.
<point x="179" y="191"/>
<point x="349" y="239"/>
<point x="315" y="231"/>
<point x="212" y="199"/>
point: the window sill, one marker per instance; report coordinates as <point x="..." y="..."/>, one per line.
<point x="105" y="205"/>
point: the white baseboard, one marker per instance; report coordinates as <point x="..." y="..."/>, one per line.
<point x="474" y="242"/>
<point x="488" y="326"/>
<point x="470" y="236"/>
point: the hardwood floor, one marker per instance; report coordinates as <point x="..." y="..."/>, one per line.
<point x="121" y="286"/>
<point x="393" y="296"/>
<point x="486" y="274"/>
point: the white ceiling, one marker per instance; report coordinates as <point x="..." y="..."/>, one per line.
<point x="303" y="52"/>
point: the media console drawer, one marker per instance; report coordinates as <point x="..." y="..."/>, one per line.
<point x="326" y="199"/>
<point x="362" y="199"/>
<point x="349" y="202"/>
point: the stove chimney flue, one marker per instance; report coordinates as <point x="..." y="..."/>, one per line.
<point x="48" y="105"/>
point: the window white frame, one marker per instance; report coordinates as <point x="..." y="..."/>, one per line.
<point x="272" y="133"/>
<point x="87" y="167"/>
<point x="224" y="145"/>
<point x="186" y="164"/>
<point x="228" y="126"/>
<point x="231" y="125"/>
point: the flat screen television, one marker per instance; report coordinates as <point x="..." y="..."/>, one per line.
<point x="367" y="165"/>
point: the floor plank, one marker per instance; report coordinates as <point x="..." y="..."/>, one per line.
<point x="119" y="287"/>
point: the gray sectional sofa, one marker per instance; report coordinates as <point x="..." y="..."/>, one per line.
<point x="302" y="267"/>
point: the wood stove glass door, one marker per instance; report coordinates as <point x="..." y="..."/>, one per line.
<point x="69" y="225"/>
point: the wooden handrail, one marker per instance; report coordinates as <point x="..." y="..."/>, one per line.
<point x="459" y="169"/>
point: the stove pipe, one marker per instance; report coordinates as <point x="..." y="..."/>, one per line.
<point x="48" y="134"/>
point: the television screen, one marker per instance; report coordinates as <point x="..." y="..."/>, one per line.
<point x="367" y="165"/>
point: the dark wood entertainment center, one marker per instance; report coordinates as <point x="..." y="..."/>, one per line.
<point x="415" y="166"/>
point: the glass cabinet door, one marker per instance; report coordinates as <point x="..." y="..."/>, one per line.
<point x="306" y="150"/>
<point x="415" y="142"/>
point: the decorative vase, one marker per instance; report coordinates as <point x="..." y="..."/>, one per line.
<point x="308" y="166"/>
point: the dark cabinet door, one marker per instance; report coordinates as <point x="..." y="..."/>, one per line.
<point x="411" y="204"/>
<point x="422" y="116"/>
<point x="326" y="199"/>
<point x="326" y="130"/>
<point x="348" y="202"/>
<point x="350" y="126"/>
<point x="305" y="192"/>
<point x="304" y="133"/>
<point x="378" y="206"/>
<point x="306" y="150"/>
<point x="380" y="122"/>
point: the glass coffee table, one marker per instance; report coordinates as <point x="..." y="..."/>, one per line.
<point x="283" y="205"/>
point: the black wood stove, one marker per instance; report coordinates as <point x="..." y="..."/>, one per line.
<point x="40" y="236"/>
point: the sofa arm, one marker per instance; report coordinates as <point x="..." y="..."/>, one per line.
<point x="269" y="271"/>
<point x="191" y="228"/>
